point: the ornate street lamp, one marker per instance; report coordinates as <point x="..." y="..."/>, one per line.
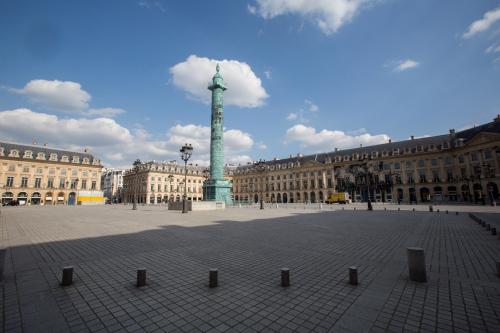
<point x="186" y="152"/>
<point x="261" y="168"/>
<point x="136" y="165"/>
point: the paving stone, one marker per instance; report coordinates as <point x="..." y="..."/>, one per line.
<point x="105" y="245"/>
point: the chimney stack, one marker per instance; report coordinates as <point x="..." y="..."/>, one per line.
<point x="412" y="137"/>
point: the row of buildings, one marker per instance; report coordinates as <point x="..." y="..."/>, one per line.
<point x="460" y="166"/>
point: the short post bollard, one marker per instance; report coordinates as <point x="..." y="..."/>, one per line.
<point x="385" y="208"/>
<point x="354" y="208"/>
<point x="456" y="213"/>
<point x="498" y="268"/>
<point x="494" y="231"/>
<point x="483" y="223"/>
<point x="438" y="210"/>
<point x="285" y="277"/>
<point x="413" y="209"/>
<point x="141" y="277"/>
<point x="447" y="211"/>
<point x="416" y="264"/>
<point x="431" y="209"/>
<point x="353" y="275"/>
<point x="213" y="279"/>
<point x="488" y="227"/>
<point x="67" y="276"/>
<point x="399" y="209"/>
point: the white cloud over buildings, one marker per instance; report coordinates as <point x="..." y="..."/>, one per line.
<point x="326" y="140"/>
<point x="116" y="144"/>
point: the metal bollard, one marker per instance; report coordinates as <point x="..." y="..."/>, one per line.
<point x="438" y="210"/>
<point x="385" y="208"/>
<point x="354" y="208"/>
<point x="413" y="209"/>
<point x="399" y="209"/>
<point x="488" y="227"/>
<point x="416" y="264"/>
<point x="494" y="231"/>
<point x="285" y="277"/>
<point x="353" y="275"/>
<point x="498" y="269"/>
<point x="447" y="211"/>
<point x="67" y="276"/>
<point x="141" y="277"/>
<point x="456" y="213"/>
<point x="431" y="209"/>
<point x="213" y="279"/>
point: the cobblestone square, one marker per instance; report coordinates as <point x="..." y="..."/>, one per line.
<point x="107" y="244"/>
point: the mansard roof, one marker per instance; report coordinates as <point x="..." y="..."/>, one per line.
<point x="8" y="147"/>
<point x="453" y="139"/>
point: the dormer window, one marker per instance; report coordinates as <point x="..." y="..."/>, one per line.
<point x="374" y="154"/>
<point x="95" y="161"/>
<point x="420" y="148"/>
<point x="53" y="157"/>
<point x="40" y="156"/>
<point x="346" y="158"/>
<point x="14" y="153"/>
<point x="76" y="159"/>
<point x="395" y="151"/>
<point x="384" y="153"/>
<point x="407" y="150"/>
<point x="355" y="156"/>
<point x="28" y="154"/>
<point x="1" y="151"/>
<point x="86" y="160"/>
<point x="445" y="145"/>
<point x="64" y="158"/>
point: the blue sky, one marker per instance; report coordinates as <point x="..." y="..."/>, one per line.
<point x="127" y="78"/>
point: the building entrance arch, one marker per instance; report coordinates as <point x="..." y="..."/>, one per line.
<point x="425" y="195"/>
<point x="7" y="197"/>
<point x="72" y="198"/>
<point x="35" y="198"/>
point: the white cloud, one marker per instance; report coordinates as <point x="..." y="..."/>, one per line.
<point x="152" y="4"/>
<point x="24" y="125"/>
<point x="326" y="140"/>
<point x="483" y="24"/>
<point x="328" y="15"/>
<point x="493" y="49"/>
<point x="261" y="145"/>
<point x="105" y="112"/>
<point x="268" y="74"/>
<point x="292" y="116"/>
<point x="114" y="143"/>
<point x="65" y="96"/>
<point x="404" y="65"/>
<point x="244" y="87"/>
<point x="311" y="107"/>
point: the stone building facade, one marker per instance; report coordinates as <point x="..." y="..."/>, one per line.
<point x="38" y="175"/>
<point x="459" y="166"/>
<point x="160" y="182"/>
<point x="112" y="184"/>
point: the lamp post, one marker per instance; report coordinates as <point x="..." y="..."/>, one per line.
<point x="186" y="152"/>
<point x="261" y="167"/>
<point x="136" y="164"/>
